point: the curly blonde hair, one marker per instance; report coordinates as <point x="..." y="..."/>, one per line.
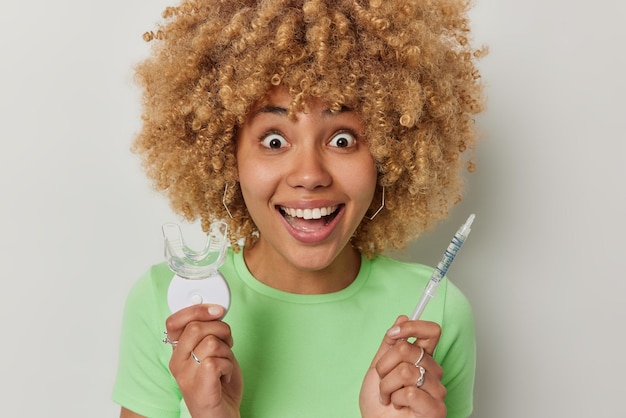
<point x="405" y="66"/>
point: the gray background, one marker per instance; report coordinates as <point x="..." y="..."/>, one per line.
<point x="543" y="268"/>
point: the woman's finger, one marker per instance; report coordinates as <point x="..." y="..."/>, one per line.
<point x="425" y="333"/>
<point x="408" y="354"/>
<point x="420" y="403"/>
<point x="212" y="346"/>
<point x="215" y="367"/>
<point x="176" y="322"/>
<point x="214" y="334"/>
<point x="408" y="367"/>
<point x="407" y="375"/>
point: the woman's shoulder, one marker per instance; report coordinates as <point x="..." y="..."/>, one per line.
<point x="398" y="270"/>
<point x="150" y="289"/>
<point x="156" y="279"/>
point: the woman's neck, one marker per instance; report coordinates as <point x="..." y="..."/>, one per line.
<point x="274" y="271"/>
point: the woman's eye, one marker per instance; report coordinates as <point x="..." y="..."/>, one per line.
<point x="274" y="141"/>
<point x="343" y="140"/>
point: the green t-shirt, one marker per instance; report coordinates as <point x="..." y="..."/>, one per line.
<point x="300" y="355"/>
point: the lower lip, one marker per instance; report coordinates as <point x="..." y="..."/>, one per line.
<point x="313" y="237"/>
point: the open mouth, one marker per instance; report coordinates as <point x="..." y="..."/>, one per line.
<point x="310" y="219"/>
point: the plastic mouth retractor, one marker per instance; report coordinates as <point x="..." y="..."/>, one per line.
<point x="191" y="264"/>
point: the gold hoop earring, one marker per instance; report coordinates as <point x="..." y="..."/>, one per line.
<point x="224" y="202"/>
<point x="382" y="205"/>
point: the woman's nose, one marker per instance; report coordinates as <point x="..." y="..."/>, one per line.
<point x="308" y="169"/>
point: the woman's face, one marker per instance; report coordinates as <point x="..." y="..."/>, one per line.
<point x="307" y="182"/>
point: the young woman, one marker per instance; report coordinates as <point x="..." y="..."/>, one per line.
<point x="323" y="132"/>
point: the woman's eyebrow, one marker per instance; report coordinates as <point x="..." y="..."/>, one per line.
<point x="276" y="110"/>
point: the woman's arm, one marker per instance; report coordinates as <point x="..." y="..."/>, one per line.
<point x="125" y="413"/>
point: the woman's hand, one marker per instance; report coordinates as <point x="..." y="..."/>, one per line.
<point x="203" y="363"/>
<point x="394" y="385"/>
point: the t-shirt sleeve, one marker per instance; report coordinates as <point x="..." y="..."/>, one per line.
<point x="144" y="383"/>
<point x="456" y="353"/>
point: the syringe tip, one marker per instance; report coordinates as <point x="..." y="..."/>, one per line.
<point x="465" y="228"/>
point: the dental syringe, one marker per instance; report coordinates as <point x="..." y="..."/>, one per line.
<point x="441" y="269"/>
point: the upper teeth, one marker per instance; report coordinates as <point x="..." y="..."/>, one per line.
<point x="314" y="213"/>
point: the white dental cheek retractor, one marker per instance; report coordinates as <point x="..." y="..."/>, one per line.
<point x="197" y="278"/>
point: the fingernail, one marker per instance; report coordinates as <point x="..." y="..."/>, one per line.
<point x="215" y="310"/>
<point x="393" y="332"/>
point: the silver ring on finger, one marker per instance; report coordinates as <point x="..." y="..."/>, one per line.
<point x="194" y="357"/>
<point x="420" y="380"/>
<point x="167" y="340"/>
<point x="417" y="362"/>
